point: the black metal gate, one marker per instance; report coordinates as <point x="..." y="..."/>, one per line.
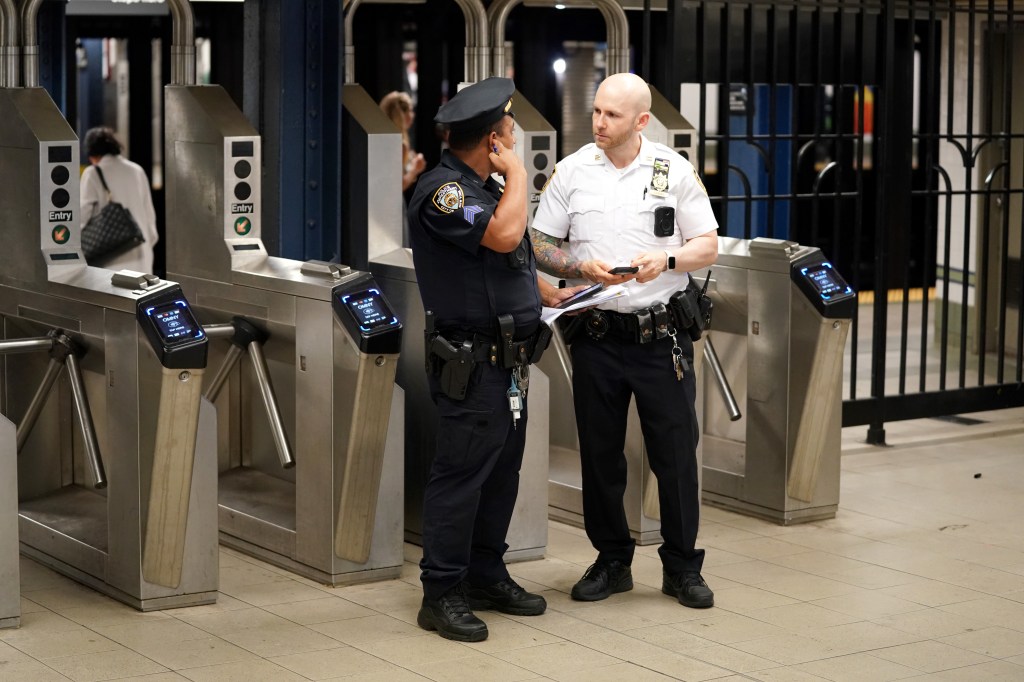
<point x="889" y="134"/>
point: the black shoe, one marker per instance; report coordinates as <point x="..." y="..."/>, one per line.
<point x="602" y="579"/>
<point x="508" y="597"/>
<point x="689" y="588"/>
<point x="451" y="616"/>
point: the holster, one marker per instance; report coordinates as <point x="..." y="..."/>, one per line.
<point x="456" y="372"/>
<point x="541" y="340"/>
<point x="512" y="353"/>
<point x="691" y="307"/>
<point x="453" y="365"/>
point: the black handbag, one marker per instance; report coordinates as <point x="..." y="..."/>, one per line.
<point x="110" y="232"/>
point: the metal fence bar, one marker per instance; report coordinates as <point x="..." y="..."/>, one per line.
<point x="859" y="213"/>
<point x="926" y="151"/>
<point x="907" y="39"/>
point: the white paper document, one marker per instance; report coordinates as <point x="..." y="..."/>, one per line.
<point x="549" y="315"/>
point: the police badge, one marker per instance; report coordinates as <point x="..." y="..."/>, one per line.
<point x="659" y="178"/>
<point x="449" y="197"/>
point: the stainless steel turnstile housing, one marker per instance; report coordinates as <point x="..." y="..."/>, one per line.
<point x="336" y="516"/>
<point x="148" y="538"/>
<point x="535" y="145"/>
<point x="781" y="317"/>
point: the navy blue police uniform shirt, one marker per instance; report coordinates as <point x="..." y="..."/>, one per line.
<point x="465" y="284"/>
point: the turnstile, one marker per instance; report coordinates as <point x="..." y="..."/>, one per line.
<point x="781" y="317"/>
<point x="129" y="406"/>
<point x="323" y="344"/>
<point x="535" y="145"/>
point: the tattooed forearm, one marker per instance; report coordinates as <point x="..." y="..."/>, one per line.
<point x="551" y="258"/>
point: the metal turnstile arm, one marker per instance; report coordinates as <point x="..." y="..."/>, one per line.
<point x="39" y="343"/>
<point x="216" y="383"/>
<point x="63" y="353"/>
<point x="720" y="380"/>
<point x="92" y="446"/>
<point x="259" y="366"/>
<point x="35" y="407"/>
<point x="562" y="351"/>
<point x="247" y="337"/>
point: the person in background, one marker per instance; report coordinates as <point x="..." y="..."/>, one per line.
<point x="128" y="186"/>
<point x="397" y="106"/>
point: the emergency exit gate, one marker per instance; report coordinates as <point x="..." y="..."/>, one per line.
<point x="890" y="135"/>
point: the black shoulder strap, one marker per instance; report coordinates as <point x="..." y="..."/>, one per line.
<point x="102" y="180"/>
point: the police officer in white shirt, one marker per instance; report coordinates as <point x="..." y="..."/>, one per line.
<point x="625" y="202"/>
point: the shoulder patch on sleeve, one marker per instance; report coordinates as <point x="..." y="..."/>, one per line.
<point x="700" y="184"/>
<point x="449" y="197"/>
<point x="548" y="181"/>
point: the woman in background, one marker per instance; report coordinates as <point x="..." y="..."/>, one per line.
<point x="129" y="187"/>
<point x="397" y="106"/>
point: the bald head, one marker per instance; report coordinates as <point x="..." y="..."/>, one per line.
<point x="628" y="91"/>
<point x="621" y="111"/>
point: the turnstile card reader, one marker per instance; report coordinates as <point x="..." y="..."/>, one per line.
<point x="782" y="315"/>
<point x="173" y="331"/>
<point x="368" y="317"/>
<point x="824" y="286"/>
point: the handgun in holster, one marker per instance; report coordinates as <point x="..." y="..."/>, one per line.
<point x="452" y="365"/>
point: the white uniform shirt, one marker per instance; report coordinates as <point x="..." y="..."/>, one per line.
<point x="608" y="213"/>
<point x="129" y="187"/>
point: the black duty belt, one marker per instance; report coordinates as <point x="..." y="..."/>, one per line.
<point x="486" y="347"/>
<point x="641" y="326"/>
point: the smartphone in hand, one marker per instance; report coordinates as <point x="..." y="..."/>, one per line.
<point x="624" y="270"/>
<point x="581" y="295"/>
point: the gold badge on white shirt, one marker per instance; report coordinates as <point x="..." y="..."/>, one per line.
<point x="659" y="177"/>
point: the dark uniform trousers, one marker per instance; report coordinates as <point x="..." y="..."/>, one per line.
<point x="605" y="374"/>
<point x="473" y="483"/>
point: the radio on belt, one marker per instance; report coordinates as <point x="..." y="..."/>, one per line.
<point x="824" y="286"/>
<point x="367" y="316"/>
<point x="172" y="330"/>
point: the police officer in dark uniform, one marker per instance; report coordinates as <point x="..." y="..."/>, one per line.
<point x="478" y="280"/>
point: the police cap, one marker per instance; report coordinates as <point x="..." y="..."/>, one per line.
<point x="478" y="105"/>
